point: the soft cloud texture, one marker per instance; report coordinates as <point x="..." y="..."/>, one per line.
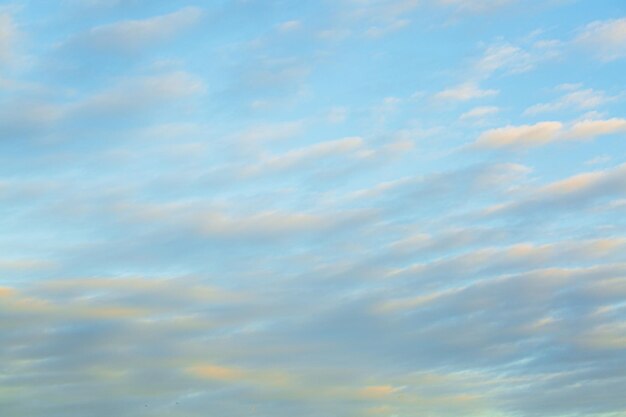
<point x="465" y="92"/>
<point x="279" y="208"/>
<point x="8" y="35"/>
<point x="606" y="38"/>
<point x="542" y="133"/>
<point x="130" y="36"/>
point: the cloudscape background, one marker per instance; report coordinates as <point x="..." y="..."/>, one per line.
<point x="333" y="208"/>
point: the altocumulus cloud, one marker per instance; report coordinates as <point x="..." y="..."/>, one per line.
<point x="275" y="208"/>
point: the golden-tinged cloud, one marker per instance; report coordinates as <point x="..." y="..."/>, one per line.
<point x="523" y="136"/>
<point x="542" y="133"/>
<point x="377" y="391"/>
<point x="219" y="373"/>
<point x="6" y="292"/>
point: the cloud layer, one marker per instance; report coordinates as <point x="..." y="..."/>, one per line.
<point x="353" y="208"/>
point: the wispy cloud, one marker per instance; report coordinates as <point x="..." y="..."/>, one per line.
<point x="131" y="36"/>
<point x="542" y="133"/>
<point x="465" y="92"/>
<point x="605" y="38"/>
<point x="339" y="208"/>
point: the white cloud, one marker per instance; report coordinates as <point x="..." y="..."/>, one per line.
<point x="337" y="114"/>
<point x="380" y="16"/>
<point x="570" y="193"/>
<point x="579" y="99"/>
<point x="270" y="132"/>
<point x="136" y="94"/>
<point x="527" y="136"/>
<point x="522" y="136"/>
<point x="464" y="92"/>
<point x="587" y="129"/>
<point x="509" y="59"/>
<point x="8" y="35"/>
<point x="133" y="35"/>
<point x="230" y="223"/>
<point x="339" y="147"/>
<point x="606" y="39"/>
<point x="379" y="31"/>
<point x="602" y="159"/>
<point x="126" y="98"/>
<point x="480" y="112"/>
<point x="504" y="56"/>
<point x="378" y="10"/>
<point x="476" y="5"/>
<point x="289" y="26"/>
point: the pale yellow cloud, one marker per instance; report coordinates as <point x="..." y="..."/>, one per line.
<point x="27" y="305"/>
<point x="465" y="92"/>
<point x="587" y="129"/>
<point x="377" y="391"/>
<point x="522" y="136"/>
<point x="219" y="373"/>
<point x="409" y="303"/>
<point x="574" y="184"/>
<point x="480" y="112"/>
<point x="7" y="292"/>
<point x="542" y="133"/>
<point x="25" y="264"/>
<point x="259" y="378"/>
<point x="608" y="336"/>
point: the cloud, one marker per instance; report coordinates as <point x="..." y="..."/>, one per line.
<point x="289" y="26"/>
<point x="504" y="56"/>
<point x="298" y="157"/>
<point x="165" y="246"/>
<point x="134" y="95"/>
<point x="378" y="391"/>
<point x="338" y="114"/>
<point x="263" y="225"/>
<point x="572" y="193"/>
<point x="465" y="92"/>
<point x="132" y="36"/>
<point x="270" y="132"/>
<point x="476" y="6"/>
<point x="29" y="118"/>
<point x="376" y="10"/>
<point x="577" y="99"/>
<point x="6" y="292"/>
<point x="508" y="59"/>
<point x="542" y="133"/>
<point x="587" y="129"/>
<point x="490" y="261"/>
<point x="127" y="99"/>
<point x="522" y="136"/>
<point x="442" y="187"/>
<point x="480" y="112"/>
<point x="13" y="265"/>
<point x="606" y="39"/>
<point x="8" y="37"/>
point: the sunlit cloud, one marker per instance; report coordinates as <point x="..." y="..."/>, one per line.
<point x="348" y="208"/>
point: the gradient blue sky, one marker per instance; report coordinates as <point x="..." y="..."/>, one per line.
<point x="333" y="208"/>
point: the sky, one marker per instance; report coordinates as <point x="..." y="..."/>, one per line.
<point x="331" y="208"/>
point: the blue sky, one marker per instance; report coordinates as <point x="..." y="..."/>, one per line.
<point x="347" y="208"/>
